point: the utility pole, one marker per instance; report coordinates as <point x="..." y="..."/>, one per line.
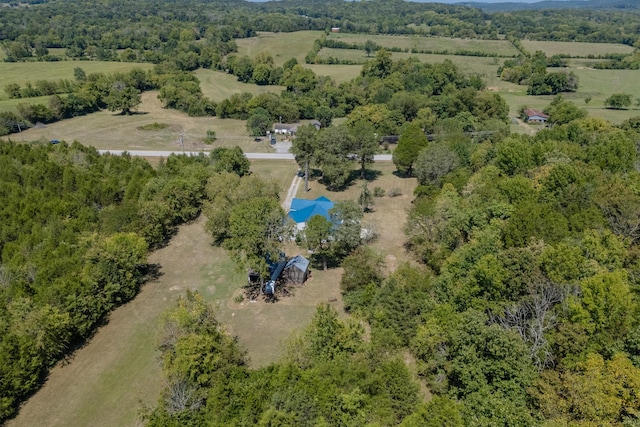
<point x="306" y="176"/>
<point x="182" y="140"/>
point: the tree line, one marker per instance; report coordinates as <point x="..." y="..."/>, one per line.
<point x="164" y="33"/>
<point x="75" y="233"/>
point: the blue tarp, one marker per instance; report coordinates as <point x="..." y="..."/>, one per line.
<point x="278" y="271"/>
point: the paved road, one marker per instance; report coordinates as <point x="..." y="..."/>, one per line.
<point x="251" y="156"/>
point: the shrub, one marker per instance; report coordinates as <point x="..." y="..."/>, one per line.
<point x="378" y="192"/>
<point x="153" y="126"/>
<point x="394" y="192"/>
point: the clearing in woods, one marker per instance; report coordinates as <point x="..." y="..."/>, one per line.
<point x="106" y="382"/>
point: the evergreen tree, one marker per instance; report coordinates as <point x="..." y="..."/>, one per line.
<point x="412" y="141"/>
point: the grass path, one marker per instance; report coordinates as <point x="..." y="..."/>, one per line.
<point x="291" y="193"/>
<point x="106" y="381"/>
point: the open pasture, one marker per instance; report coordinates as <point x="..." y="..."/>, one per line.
<point x="597" y="84"/>
<point x="217" y="85"/>
<point x="12" y="104"/>
<point x="22" y="72"/>
<point x="433" y="44"/>
<point x="603" y="83"/>
<point x="282" y="46"/>
<point x="108" y="130"/>
<point x="575" y="49"/>
<point x="340" y="73"/>
<point x="485" y="67"/>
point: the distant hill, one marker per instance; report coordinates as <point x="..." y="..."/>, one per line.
<point x="550" y="4"/>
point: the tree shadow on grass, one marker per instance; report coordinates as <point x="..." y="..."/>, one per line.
<point x="151" y="272"/>
<point x="370" y="174"/>
<point x="400" y="174"/>
<point x="131" y="113"/>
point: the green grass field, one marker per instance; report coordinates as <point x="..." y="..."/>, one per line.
<point x="485" y="67"/>
<point x="22" y="72"/>
<point x="282" y="172"/>
<point x="11" y="104"/>
<point x="282" y="46"/>
<point x="107" y="130"/>
<point x="597" y="84"/>
<point x="576" y="49"/>
<point x="433" y="44"/>
<point x="340" y="73"/>
<point x="218" y="86"/>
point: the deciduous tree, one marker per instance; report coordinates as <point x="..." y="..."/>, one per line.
<point x="411" y="142"/>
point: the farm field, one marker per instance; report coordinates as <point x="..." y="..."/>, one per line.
<point x="106" y="129"/>
<point x="340" y="73"/>
<point x="119" y="366"/>
<point x="575" y="49"/>
<point x="217" y="85"/>
<point x="12" y="104"/>
<point x="282" y="46"/>
<point x="598" y="84"/>
<point x="22" y="72"/>
<point x="435" y="44"/>
<point x="485" y="67"/>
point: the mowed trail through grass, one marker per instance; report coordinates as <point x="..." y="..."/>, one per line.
<point x="105" y="382"/>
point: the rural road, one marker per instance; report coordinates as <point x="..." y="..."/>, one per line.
<point x="250" y="156"/>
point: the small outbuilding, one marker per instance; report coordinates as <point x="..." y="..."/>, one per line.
<point x="297" y="270"/>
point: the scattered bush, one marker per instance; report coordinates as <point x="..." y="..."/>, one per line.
<point x="153" y="126"/>
<point x="395" y="192"/>
<point x="378" y="192"/>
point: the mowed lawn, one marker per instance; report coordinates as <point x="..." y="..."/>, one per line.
<point x="575" y="49"/>
<point x="388" y="214"/>
<point x="23" y="72"/>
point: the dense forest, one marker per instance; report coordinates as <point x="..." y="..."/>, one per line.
<point x="522" y="311"/>
<point x="520" y="306"/>
<point x="152" y="28"/>
<point x="77" y="226"/>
